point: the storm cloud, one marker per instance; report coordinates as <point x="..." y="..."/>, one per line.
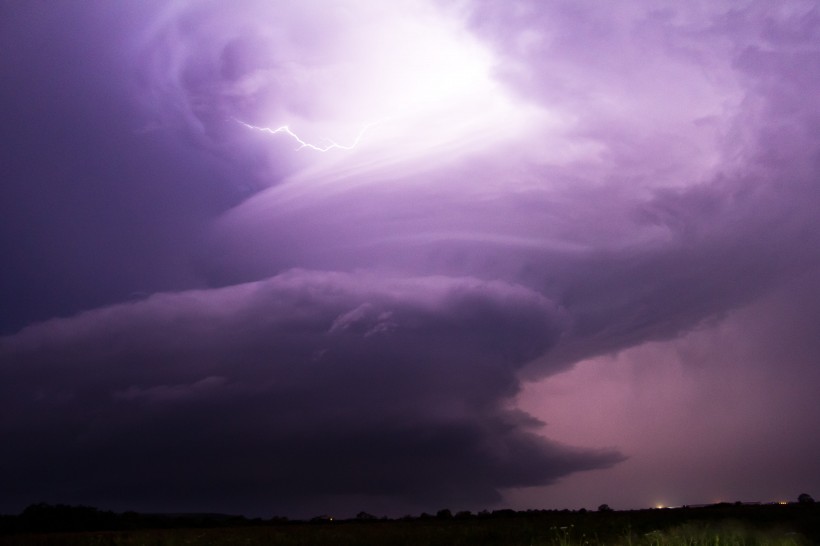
<point x="202" y="315"/>
<point x="302" y="385"/>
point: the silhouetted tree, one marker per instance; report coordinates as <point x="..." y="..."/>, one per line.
<point x="503" y="513"/>
<point x="444" y="514"/>
<point x="805" y="498"/>
<point x="604" y="508"/>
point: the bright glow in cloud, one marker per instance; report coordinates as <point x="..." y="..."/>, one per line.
<point x="317" y="73"/>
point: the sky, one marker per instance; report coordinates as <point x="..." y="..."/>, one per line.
<point x="319" y="257"/>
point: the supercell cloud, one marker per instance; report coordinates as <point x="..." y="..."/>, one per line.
<point x="303" y="385"/>
<point x="205" y="316"/>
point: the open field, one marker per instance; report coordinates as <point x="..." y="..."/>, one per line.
<point x="715" y="525"/>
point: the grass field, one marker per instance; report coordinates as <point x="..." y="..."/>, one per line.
<point x="727" y="526"/>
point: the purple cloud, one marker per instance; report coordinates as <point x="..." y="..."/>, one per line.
<point x="285" y="389"/>
<point x="533" y="185"/>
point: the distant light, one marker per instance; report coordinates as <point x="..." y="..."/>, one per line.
<point x="782" y="502"/>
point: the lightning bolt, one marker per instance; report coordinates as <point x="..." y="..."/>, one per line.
<point x="286" y="130"/>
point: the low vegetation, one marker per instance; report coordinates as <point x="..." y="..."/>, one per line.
<point x="717" y="525"/>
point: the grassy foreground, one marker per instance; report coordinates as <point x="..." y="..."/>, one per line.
<point x="715" y="526"/>
<point x="687" y="535"/>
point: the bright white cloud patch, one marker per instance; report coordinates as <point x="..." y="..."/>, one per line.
<point x="410" y="72"/>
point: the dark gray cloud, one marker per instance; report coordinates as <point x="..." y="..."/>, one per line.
<point x="262" y="395"/>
